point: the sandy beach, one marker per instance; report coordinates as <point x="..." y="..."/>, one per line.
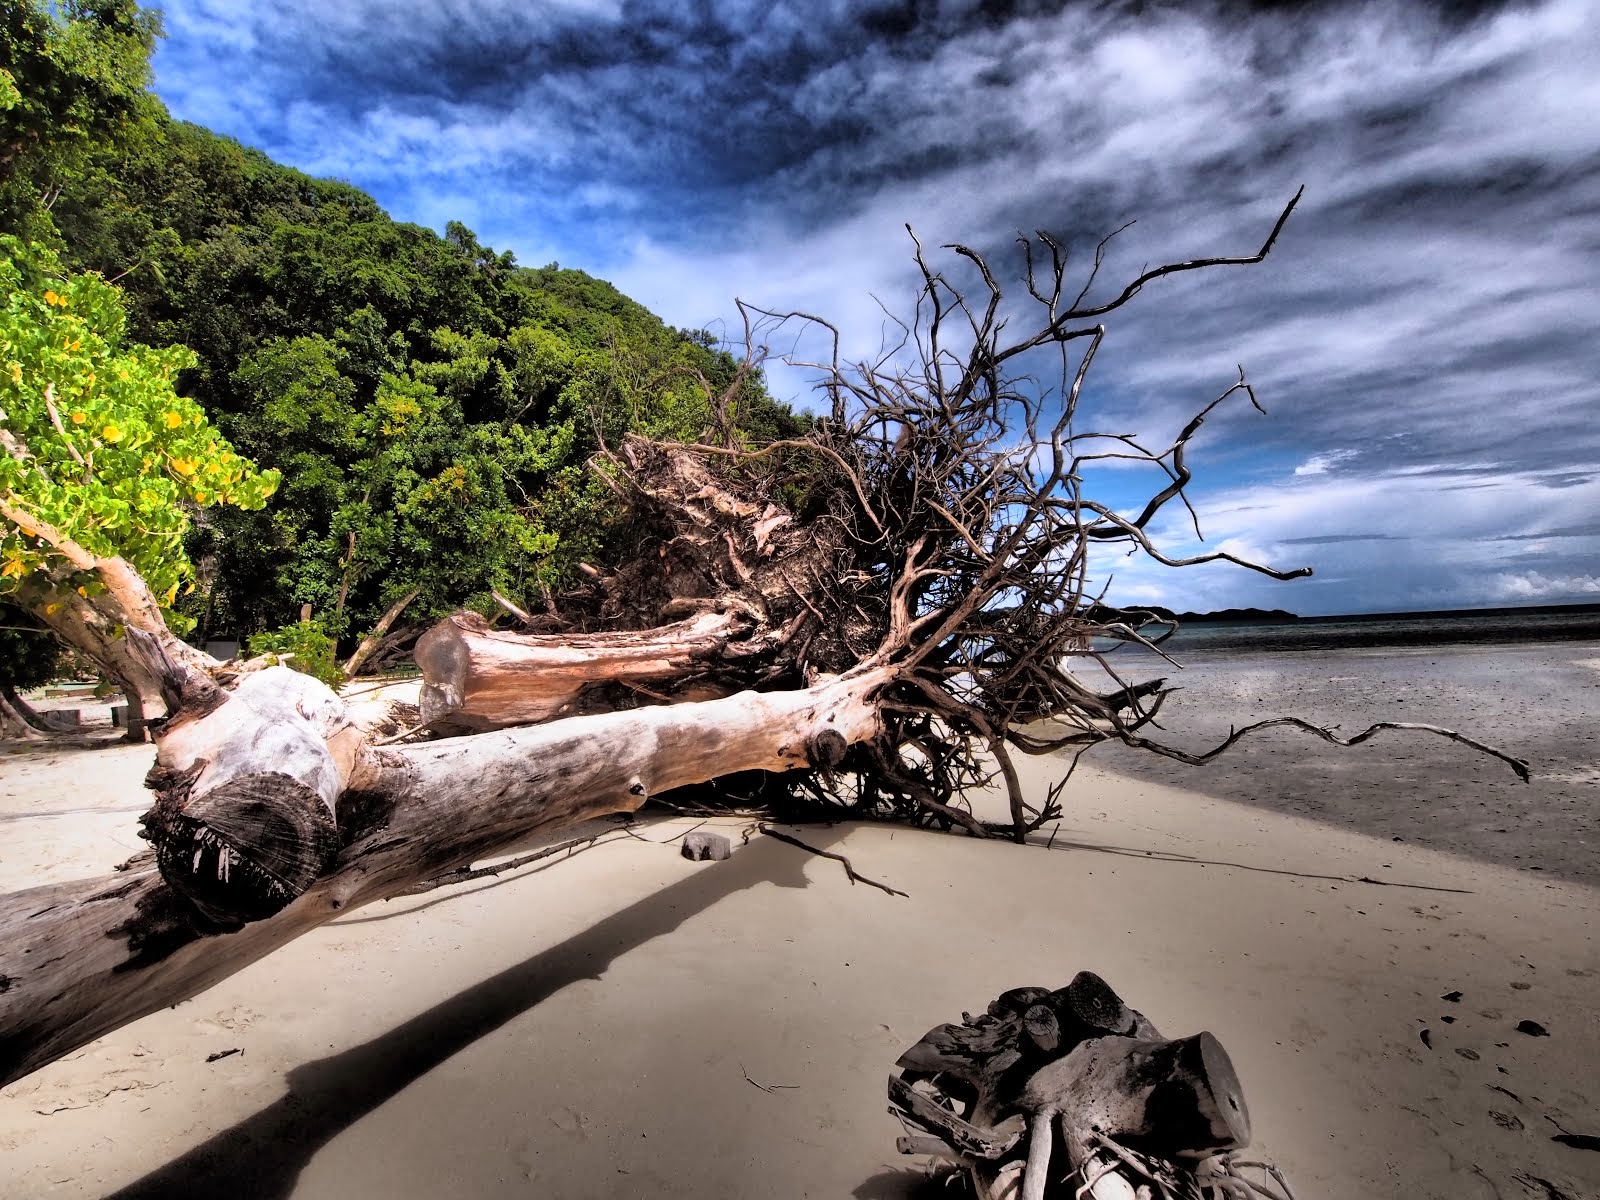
<point x="623" y="1022"/>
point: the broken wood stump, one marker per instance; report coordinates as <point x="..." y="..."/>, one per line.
<point x="244" y="820"/>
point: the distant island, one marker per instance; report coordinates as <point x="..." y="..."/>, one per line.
<point x="1252" y="616"/>
<point x="1241" y="616"/>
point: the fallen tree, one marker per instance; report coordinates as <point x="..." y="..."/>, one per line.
<point x="872" y="619"/>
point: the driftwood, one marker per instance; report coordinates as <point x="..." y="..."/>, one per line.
<point x="1071" y="1093"/>
<point x="80" y="959"/>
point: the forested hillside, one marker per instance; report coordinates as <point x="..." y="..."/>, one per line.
<point x="429" y="403"/>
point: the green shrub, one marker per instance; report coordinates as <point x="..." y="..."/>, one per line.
<point x="303" y="646"/>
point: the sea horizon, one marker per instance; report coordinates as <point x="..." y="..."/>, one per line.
<point x="1475" y="626"/>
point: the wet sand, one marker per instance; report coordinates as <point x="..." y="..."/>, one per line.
<point x="1538" y="702"/>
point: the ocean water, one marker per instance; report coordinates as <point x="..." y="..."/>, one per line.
<point x="1526" y="683"/>
<point x="1496" y="626"/>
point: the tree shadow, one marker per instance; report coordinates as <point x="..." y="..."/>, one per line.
<point x="262" y="1156"/>
<point x="913" y="1183"/>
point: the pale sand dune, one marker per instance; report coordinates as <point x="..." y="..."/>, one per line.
<point x="584" y="1030"/>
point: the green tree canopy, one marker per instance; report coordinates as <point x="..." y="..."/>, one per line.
<point x="102" y="457"/>
<point x="75" y="73"/>
<point x="429" y="404"/>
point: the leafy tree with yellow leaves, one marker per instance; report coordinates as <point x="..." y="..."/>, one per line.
<point x="101" y="465"/>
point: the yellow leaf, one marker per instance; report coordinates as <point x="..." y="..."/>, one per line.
<point x="173" y="420"/>
<point x="199" y="497"/>
<point x="14" y="568"/>
<point x="51" y="298"/>
<point x="16" y="372"/>
<point x="84" y="592"/>
<point x="111" y="433"/>
<point x="79" y="417"/>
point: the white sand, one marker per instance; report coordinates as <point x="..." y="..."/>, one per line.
<point x="584" y="1030"/>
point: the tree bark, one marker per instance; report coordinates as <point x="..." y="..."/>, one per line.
<point x="98" y="628"/>
<point x="13" y="721"/>
<point x="19" y="707"/>
<point x="78" y="960"/>
<point x="477" y="678"/>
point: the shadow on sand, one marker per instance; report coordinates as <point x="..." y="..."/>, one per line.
<point x="262" y="1156"/>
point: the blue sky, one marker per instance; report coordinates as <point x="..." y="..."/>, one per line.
<point x="1424" y="337"/>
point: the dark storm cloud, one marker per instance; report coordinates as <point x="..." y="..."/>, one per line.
<point x="1424" y="332"/>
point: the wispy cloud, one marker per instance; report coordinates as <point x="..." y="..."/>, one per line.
<point x="1321" y="464"/>
<point x="1424" y="333"/>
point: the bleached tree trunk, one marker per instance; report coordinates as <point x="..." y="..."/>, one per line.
<point x="80" y="959"/>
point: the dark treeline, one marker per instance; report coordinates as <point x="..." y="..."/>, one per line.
<point x="430" y="403"/>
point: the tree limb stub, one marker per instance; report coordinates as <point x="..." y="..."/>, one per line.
<point x="476" y="678"/>
<point x="78" y="960"/>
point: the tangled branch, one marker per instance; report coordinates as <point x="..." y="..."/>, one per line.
<point x="937" y="524"/>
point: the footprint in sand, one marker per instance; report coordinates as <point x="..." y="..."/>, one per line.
<point x="232" y="1019"/>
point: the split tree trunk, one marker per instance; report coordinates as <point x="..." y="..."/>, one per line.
<point x="78" y="960"/>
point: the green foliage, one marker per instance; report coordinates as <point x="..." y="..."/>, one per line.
<point x="303" y="646"/>
<point x="102" y="452"/>
<point x="429" y="404"/>
<point x="27" y="658"/>
<point x="76" y="75"/>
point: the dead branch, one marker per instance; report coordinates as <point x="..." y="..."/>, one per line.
<point x="374" y="640"/>
<point x="1518" y="765"/>
<point x="468" y="874"/>
<point x="850" y="872"/>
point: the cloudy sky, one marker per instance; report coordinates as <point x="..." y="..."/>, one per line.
<point x="1424" y="336"/>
